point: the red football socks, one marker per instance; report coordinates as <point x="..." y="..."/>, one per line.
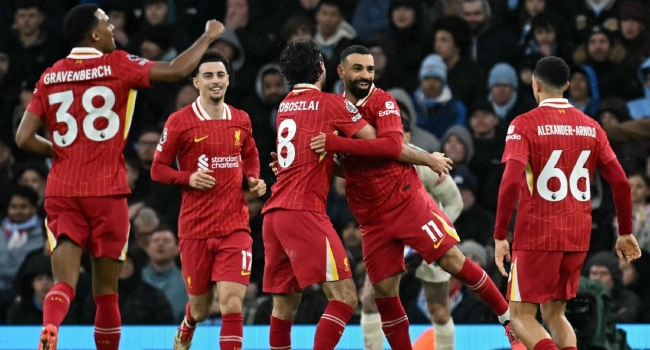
<point x="331" y="325"/>
<point x="479" y="282"/>
<point x="545" y="344"/>
<point x="232" y="330"/>
<point x="394" y="323"/>
<point x="280" y="334"/>
<point x="107" y="322"/>
<point x="56" y="304"/>
<point x="188" y="316"/>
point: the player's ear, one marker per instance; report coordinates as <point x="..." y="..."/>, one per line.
<point x="94" y="36"/>
<point x="195" y="82"/>
<point x="566" y="86"/>
<point x="339" y="70"/>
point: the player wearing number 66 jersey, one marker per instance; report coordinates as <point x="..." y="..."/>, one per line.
<point x="551" y="154"/>
<point x="214" y="146"/>
<point x="86" y="100"/>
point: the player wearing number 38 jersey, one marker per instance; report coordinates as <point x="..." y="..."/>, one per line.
<point x="551" y="154"/>
<point x="86" y="101"/>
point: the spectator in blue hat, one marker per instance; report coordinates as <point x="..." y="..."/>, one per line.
<point x="506" y="101"/>
<point x="436" y="107"/>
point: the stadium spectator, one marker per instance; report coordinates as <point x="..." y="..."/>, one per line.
<point x="419" y="137"/>
<point x="636" y="278"/>
<point x="583" y="92"/>
<point x="506" y="101"/>
<point x="633" y="17"/>
<point x="371" y="18"/>
<point x="457" y="144"/>
<point x="640" y="107"/>
<point x="34" y="285"/>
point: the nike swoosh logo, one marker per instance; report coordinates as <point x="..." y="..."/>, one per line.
<point x="436" y="245"/>
<point x="199" y="139"/>
<point x="245" y="273"/>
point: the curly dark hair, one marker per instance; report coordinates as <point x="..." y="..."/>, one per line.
<point x="552" y="71"/>
<point x="300" y="62"/>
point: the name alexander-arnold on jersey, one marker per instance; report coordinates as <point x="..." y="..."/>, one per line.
<point x="78" y="75"/>
<point x="566" y="130"/>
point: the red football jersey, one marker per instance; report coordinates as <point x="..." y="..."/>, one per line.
<point x="86" y="101"/>
<point x="303" y="176"/>
<point x="561" y="147"/>
<point x="374" y="186"/>
<point x="224" y="146"/>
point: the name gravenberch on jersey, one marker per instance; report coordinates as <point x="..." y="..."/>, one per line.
<point x="78" y="75"/>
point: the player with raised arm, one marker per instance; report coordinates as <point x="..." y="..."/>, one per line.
<point x="301" y="245"/>
<point x="214" y="146"/>
<point x="393" y="208"/>
<point x="551" y="154"/>
<point x="434" y="279"/>
<point x="86" y="101"/>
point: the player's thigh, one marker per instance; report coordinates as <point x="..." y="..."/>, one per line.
<point x="233" y="258"/>
<point x="66" y="217"/>
<point x="106" y="273"/>
<point x="313" y="247"/>
<point x="196" y="264"/>
<point x="383" y="254"/>
<point x="534" y="276"/>
<point x="570" y="269"/>
<point x="278" y="277"/>
<point x="109" y="226"/>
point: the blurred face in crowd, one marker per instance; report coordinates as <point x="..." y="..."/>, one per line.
<point x="444" y="45"/>
<point x="162" y="247"/>
<point x="328" y="18"/>
<point x="578" y="87"/>
<point x="351" y="235"/>
<point x="358" y="73"/>
<point x="309" y="4"/>
<point x="117" y="19"/>
<point x="545" y="36"/>
<point x="33" y="179"/>
<point x="380" y="58"/>
<point x="147" y="146"/>
<point x="300" y="33"/>
<point x="237" y="14"/>
<point x="474" y="14"/>
<point x="227" y="50"/>
<point x="20" y="209"/>
<point x="186" y="95"/>
<point x="212" y="81"/>
<point x="403" y="17"/>
<point x="431" y="87"/>
<point x="455" y="149"/>
<point x="483" y="123"/>
<point x="156" y="13"/>
<point x="598" y="47"/>
<point x="502" y="94"/>
<point x="608" y="119"/>
<point x="273" y="88"/>
<point x="631" y="29"/>
<point x="640" y="190"/>
<point x="151" y="50"/>
<point x="468" y="198"/>
<point x="534" y="7"/>
<point x="42" y="285"/>
<point x="28" y="20"/>
<point x="602" y="274"/>
<point x="629" y="272"/>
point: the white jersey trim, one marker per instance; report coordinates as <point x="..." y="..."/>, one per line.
<point x="556" y="103"/>
<point x="202" y="114"/>
<point x="84" y="53"/>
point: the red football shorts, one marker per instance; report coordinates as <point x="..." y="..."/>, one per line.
<point x="301" y="248"/>
<point x="209" y="260"/>
<point x="540" y="276"/>
<point x="418" y="222"/>
<point x="99" y="225"/>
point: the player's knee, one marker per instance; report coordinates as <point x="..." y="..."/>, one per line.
<point x="230" y="304"/>
<point x="452" y="261"/>
<point x="439" y="313"/>
<point x="200" y="313"/>
<point x="550" y="314"/>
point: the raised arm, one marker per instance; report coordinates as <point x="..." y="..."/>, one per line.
<point x="183" y="65"/>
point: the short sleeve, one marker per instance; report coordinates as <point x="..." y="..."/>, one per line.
<point x="517" y="143"/>
<point x="170" y="142"/>
<point x="37" y="104"/>
<point x="344" y="115"/>
<point x="605" y="152"/>
<point x="388" y="116"/>
<point x="134" y="69"/>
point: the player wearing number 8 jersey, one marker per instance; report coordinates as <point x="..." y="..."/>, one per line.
<point x="551" y="154"/>
<point x="214" y="146"/>
<point x="86" y="100"/>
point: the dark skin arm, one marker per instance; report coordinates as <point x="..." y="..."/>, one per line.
<point x="28" y="140"/>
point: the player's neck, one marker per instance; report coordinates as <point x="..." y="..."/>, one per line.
<point x="546" y="96"/>
<point x="351" y="97"/>
<point x="214" y="109"/>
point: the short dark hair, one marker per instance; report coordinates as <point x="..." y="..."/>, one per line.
<point x="296" y="23"/>
<point x="28" y="4"/>
<point x="212" y="56"/>
<point x="553" y="71"/>
<point x="359" y="49"/>
<point x="300" y="62"/>
<point x="24" y="192"/>
<point x="334" y="3"/>
<point x="79" y="22"/>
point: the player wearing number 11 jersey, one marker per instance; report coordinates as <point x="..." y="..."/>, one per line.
<point x="86" y="100"/>
<point x="551" y="154"/>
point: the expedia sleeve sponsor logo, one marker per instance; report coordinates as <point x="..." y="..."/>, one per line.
<point x="389" y="112"/>
<point x="513" y="137"/>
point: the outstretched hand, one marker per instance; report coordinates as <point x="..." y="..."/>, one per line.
<point x="627" y="248"/>
<point x="439" y="163"/>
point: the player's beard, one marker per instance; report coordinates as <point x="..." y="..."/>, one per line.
<point x="356" y="90"/>
<point x="217" y="99"/>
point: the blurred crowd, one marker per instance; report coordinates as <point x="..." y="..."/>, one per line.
<point x="460" y="71"/>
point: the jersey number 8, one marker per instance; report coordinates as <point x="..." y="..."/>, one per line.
<point x="284" y="142"/>
<point x="566" y="185"/>
<point x="65" y="98"/>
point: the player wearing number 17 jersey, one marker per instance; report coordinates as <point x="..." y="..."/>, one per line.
<point x="551" y="154"/>
<point x="86" y="100"/>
